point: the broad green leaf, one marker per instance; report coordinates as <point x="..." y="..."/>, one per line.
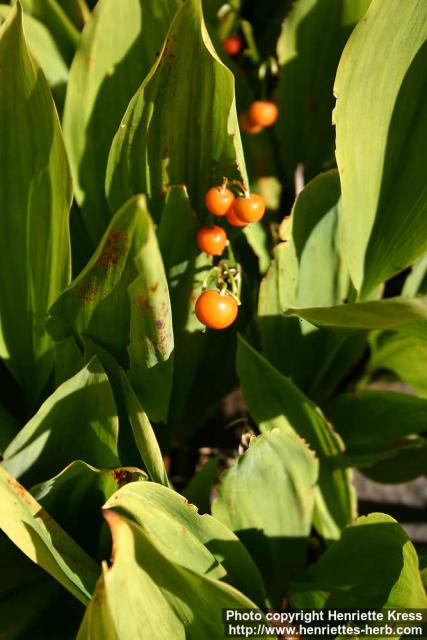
<point x="163" y="599"/>
<point x="381" y="141"/>
<point x="117" y="49"/>
<point x="35" y="198"/>
<point x="200" y="543"/>
<point x="371" y="420"/>
<point x="374" y="565"/>
<point x="404" y="355"/>
<point x="151" y="150"/>
<point x="408" y="314"/>
<point x="121" y="301"/>
<point x="404" y="463"/>
<point x="309" y="48"/>
<point x="267" y="498"/>
<point x="77" y="422"/>
<point x="32" y="529"/>
<point x="56" y="20"/>
<point x="378" y="428"/>
<point x="274" y="402"/>
<point x="307" y="270"/>
<point x="45" y="51"/>
<point x="81" y="489"/>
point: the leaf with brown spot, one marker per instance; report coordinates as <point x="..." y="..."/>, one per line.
<point x="152" y="150"/>
<point x="83" y="489"/>
<point x="121" y="301"/>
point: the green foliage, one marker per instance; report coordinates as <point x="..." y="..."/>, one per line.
<point x="115" y="413"/>
<point x="149" y="150"/>
<point x="274" y="402"/>
<point x="273" y="526"/>
<point x="116" y="50"/>
<point x="35" y="198"/>
<point x="374" y="565"/>
<point x="381" y="143"/>
<point x="309" y="49"/>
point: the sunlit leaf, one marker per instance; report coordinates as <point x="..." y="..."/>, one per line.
<point x="31" y="528"/>
<point x="35" y="197"/>
<point x="267" y="498"/>
<point x="381" y="129"/>
<point x="146" y="596"/>
<point x="117" y="49"/>
<point x="274" y="402"/>
<point x="121" y="301"/>
<point x="151" y="150"/>
<point x="77" y="422"/>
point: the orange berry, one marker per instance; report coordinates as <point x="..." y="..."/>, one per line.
<point x="249" y="208"/>
<point x="263" y="113"/>
<point x="233" y="219"/>
<point x="247" y="125"/>
<point x="218" y="200"/>
<point x="216" y="310"/>
<point x="212" y="240"/>
<point x="233" y="45"/>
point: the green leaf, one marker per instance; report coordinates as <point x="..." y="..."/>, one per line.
<point x="143" y="433"/>
<point x="416" y="282"/>
<point x="370" y="420"/>
<point x="408" y="314"/>
<point x="200" y="543"/>
<point x="165" y="599"/>
<point x="258" y="240"/>
<point x="267" y="498"/>
<point x="56" y="20"/>
<point x="31" y="528"/>
<point x="309" y="48"/>
<point x="374" y="565"/>
<point x="117" y="49"/>
<point x="121" y="301"/>
<point x="81" y="489"/>
<point x="408" y="462"/>
<point x="308" y="270"/>
<point x="78" y="421"/>
<point x="151" y="150"/>
<point x="378" y="428"/>
<point x="274" y="402"/>
<point x="382" y="143"/>
<point x="35" y="198"/>
<point x="45" y="51"/>
<point x="177" y="241"/>
<point x="404" y="355"/>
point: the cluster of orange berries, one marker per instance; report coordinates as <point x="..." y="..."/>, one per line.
<point x="218" y="309"/>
